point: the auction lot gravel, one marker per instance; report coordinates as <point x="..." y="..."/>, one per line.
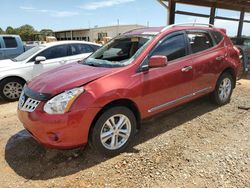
<point x="195" y="145"/>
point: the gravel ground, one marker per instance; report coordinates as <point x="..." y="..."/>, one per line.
<point x="195" y="145"/>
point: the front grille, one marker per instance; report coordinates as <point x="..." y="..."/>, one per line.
<point x="27" y="104"/>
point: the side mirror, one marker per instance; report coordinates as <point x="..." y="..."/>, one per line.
<point x="157" y="61"/>
<point x="39" y="59"/>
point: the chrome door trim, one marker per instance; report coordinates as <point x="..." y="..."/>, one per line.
<point x="179" y="99"/>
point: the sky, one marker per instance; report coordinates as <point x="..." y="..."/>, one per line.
<point x="70" y="14"/>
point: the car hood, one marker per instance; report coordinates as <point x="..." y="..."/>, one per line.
<point x="67" y="77"/>
<point x="7" y="63"/>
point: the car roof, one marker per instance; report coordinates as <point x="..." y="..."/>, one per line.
<point x="145" y="31"/>
<point x="9" y="35"/>
<point x="55" y="43"/>
<point x="157" y="30"/>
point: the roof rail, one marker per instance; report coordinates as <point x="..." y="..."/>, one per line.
<point x="187" y="24"/>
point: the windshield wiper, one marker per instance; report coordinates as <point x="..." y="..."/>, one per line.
<point x="91" y="64"/>
<point x="13" y="59"/>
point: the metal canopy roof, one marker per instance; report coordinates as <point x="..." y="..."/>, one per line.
<point x="239" y="5"/>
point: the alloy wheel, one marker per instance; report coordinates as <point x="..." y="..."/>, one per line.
<point x="115" y="132"/>
<point x="12" y="90"/>
<point x="225" y="89"/>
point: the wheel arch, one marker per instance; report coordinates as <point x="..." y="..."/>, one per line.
<point x="231" y="71"/>
<point x="119" y="102"/>
<point x="17" y="77"/>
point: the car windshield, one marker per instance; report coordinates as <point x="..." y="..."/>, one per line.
<point x="28" y="53"/>
<point x="120" y="51"/>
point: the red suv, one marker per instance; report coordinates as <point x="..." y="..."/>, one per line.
<point x="138" y="74"/>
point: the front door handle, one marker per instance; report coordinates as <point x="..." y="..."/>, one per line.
<point x="63" y="61"/>
<point x="186" y="69"/>
<point x="219" y="58"/>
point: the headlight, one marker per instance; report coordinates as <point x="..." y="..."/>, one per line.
<point x="62" y="102"/>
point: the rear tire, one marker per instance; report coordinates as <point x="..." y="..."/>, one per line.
<point x="11" y="88"/>
<point x="223" y="90"/>
<point x="113" y="131"/>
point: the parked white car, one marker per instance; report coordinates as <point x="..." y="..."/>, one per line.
<point x="14" y="73"/>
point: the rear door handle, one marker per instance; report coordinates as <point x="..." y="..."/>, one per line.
<point x="219" y="58"/>
<point x="186" y="69"/>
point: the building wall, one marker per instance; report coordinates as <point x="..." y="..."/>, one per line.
<point x="93" y="33"/>
<point x="72" y="35"/>
<point x="111" y="31"/>
<point x="80" y="35"/>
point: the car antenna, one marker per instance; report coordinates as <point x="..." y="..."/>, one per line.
<point x="195" y="21"/>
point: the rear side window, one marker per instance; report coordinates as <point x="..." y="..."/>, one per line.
<point x="217" y="36"/>
<point x="95" y="47"/>
<point x="55" y="52"/>
<point x="173" y="47"/>
<point x="80" y="49"/>
<point x="84" y="48"/>
<point x="199" y="41"/>
<point x="74" y="49"/>
<point x="10" y="42"/>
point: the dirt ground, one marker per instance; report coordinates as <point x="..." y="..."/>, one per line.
<point x="196" y="145"/>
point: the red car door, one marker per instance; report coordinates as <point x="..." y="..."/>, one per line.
<point x="167" y="86"/>
<point x="207" y="58"/>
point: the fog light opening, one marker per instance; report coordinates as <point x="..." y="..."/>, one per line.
<point x="53" y="137"/>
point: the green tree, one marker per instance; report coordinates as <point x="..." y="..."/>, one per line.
<point x="10" y="30"/>
<point x="26" y="32"/>
<point x="1" y="31"/>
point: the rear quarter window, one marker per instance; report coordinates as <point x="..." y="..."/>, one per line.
<point x="218" y="37"/>
<point x="10" y="42"/>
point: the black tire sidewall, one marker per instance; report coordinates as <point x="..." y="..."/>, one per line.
<point x="95" y="133"/>
<point x="6" y="81"/>
<point x="215" y="95"/>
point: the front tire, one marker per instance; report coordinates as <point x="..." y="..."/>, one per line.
<point x="11" y="88"/>
<point x="223" y="90"/>
<point x="113" y="131"/>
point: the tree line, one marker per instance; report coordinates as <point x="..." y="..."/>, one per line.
<point x="27" y="32"/>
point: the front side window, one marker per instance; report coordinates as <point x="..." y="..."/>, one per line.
<point x="199" y="41"/>
<point x="119" y="51"/>
<point x="10" y="42"/>
<point x="55" y="52"/>
<point x="173" y="47"/>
